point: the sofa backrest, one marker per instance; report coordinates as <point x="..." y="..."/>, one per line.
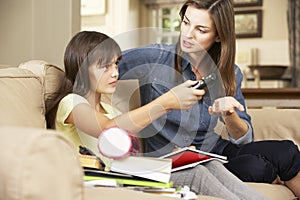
<point x="27" y="93"/>
<point x="276" y="124"/>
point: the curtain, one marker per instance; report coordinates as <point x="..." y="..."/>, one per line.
<point x="293" y="14"/>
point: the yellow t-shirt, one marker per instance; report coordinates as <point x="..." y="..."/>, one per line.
<point x="78" y="137"/>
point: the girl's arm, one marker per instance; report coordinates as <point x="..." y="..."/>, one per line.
<point x="88" y="120"/>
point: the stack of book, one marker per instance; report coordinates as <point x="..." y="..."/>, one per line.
<point x="148" y="174"/>
<point x="134" y="171"/>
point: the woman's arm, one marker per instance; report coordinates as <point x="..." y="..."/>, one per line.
<point x="88" y="120"/>
<point x="233" y="111"/>
<point x="225" y="107"/>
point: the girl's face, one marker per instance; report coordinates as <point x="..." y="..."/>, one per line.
<point x="104" y="79"/>
<point x="198" y="31"/>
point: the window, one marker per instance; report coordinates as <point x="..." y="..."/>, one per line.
<point x="167" y="20"/>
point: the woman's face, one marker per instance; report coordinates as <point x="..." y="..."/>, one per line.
<point x="198" y="31"/>
<point x="104" y="79"/>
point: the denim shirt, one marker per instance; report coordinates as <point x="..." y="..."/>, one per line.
<point x="153" y="66"/>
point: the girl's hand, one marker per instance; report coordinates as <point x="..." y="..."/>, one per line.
<point x="225" y="106"/>
<point x="183" y="96"/>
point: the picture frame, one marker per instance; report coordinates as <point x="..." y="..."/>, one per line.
<point x="247" y="3"/>
<point x="248" y="23"/>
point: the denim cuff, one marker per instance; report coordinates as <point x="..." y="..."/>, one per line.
<point x="247" y="138"/>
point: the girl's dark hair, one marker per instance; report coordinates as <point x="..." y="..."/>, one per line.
<point x="83" y="50"/>
<point x="223" y="52"/>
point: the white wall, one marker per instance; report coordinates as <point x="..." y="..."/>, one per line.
<point x="37" y="29"/>
<point x="273" y="46"/>
<point x="120" y="21"/>
<point x="16" y="31"/>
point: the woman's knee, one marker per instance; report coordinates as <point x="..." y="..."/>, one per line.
<point x="286" y="148"/>
<point x="252" y="168"/>
<point x="288" y="160"/>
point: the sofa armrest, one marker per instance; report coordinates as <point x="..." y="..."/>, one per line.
<point x="28" y="93"/>
<point x="38" y="164"/>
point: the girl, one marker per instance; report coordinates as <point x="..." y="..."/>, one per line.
<point x="91" y="69"/>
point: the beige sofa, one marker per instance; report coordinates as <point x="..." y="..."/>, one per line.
<point x="41" y="164"/>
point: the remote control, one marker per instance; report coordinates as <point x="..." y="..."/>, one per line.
<point x="204" y="81"/>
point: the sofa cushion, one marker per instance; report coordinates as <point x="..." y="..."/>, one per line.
<point x="21" y="99"/>
<point x="38" y="164"/>
<point x="273" y="191"/>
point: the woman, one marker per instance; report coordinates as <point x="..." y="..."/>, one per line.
<point x="207" y="45"/>
<point x="91" y="68"/>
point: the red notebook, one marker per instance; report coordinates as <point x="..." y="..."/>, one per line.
<point x="187" y="158"/>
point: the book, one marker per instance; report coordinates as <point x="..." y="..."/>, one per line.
<point x="188" y="157"/>
<point x="91" y="175"/>
<point x="155" y="169"/>
<point x="90" y="161"/>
